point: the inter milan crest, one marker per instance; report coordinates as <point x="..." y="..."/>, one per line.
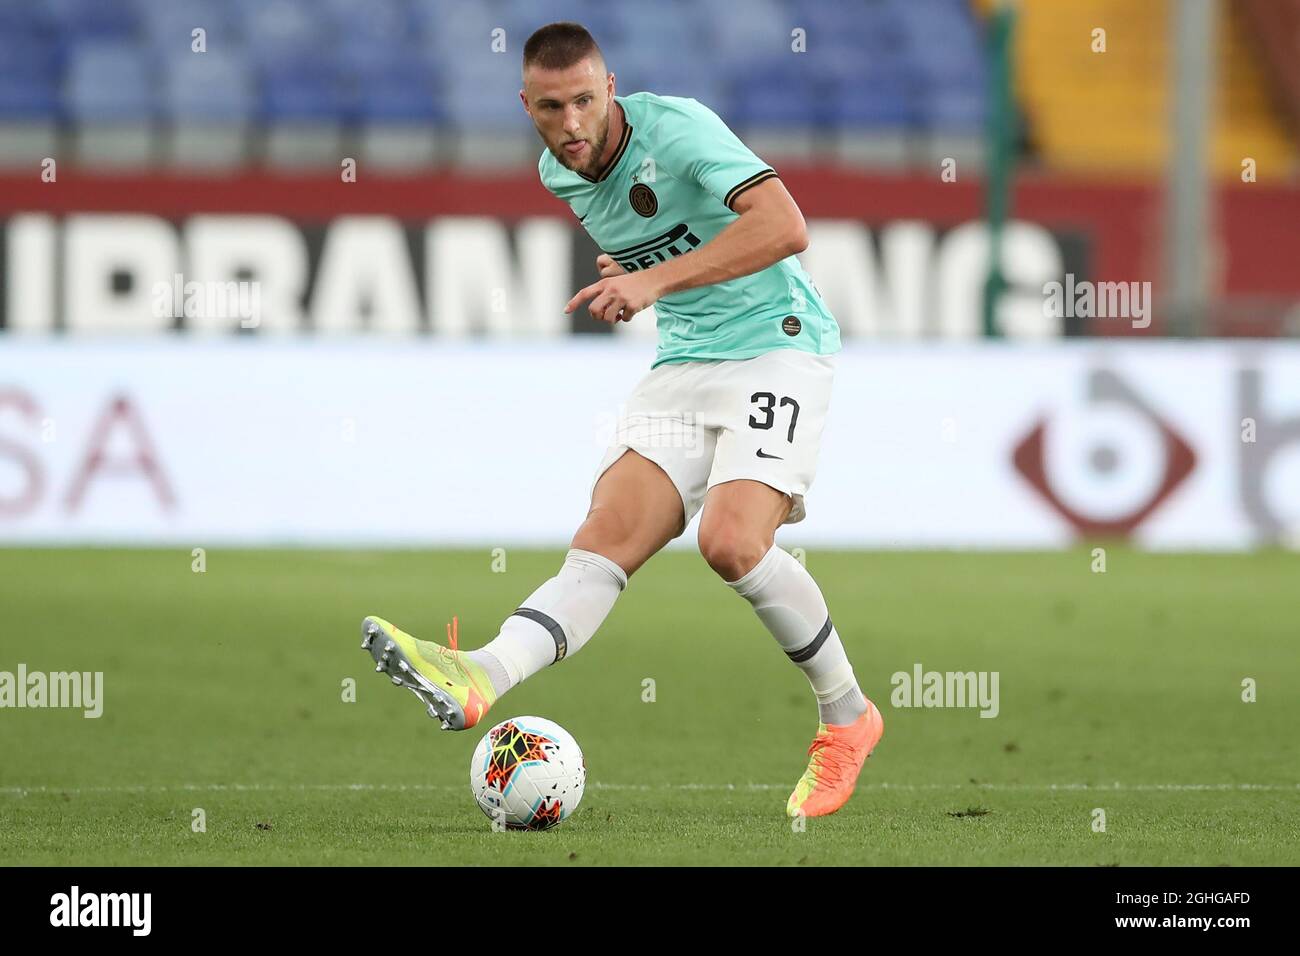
<point x="643" y="200"/>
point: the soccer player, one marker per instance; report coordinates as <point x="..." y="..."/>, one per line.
<point x="696" y="224"/>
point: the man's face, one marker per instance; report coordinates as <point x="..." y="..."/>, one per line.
<point x="570" y="109"/>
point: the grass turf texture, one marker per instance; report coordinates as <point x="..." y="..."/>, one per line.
<point x="223" y="691"/>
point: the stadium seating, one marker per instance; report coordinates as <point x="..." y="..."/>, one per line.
<point x="405" y="83"/>
<point x="30" y="104"/>
<point x="109" y="94"/>
<point x="211" y="100"/>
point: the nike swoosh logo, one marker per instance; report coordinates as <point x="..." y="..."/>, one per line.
<point x="583" y="218"/>
<point x="762" y="454"/>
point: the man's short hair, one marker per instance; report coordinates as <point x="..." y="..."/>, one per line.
<point x="557" y="46"/>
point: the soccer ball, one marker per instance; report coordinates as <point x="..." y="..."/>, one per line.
<point x="528" y="773"/>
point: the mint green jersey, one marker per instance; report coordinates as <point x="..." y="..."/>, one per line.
<point x="670" y="188"/>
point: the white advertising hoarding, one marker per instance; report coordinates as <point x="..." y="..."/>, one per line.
<point x="413" y="442"/>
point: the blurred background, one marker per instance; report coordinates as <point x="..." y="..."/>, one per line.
<point x="249" y="248"/>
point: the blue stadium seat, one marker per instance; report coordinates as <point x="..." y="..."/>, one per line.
<point x="854" y="20"/>
<point x="954" y="108"/>
<point x="217" y="86"/>
<point x="870" y="64"/>
<point x="375" y="21"/>
<point x="22" y="18"/>
<point x="296" y="89"/>
<point x="603" y="20"/>
<point x="211" y="102"/>
<point x="449" y="29"/>
<point x="640" y="62"/>
<point x="396" y="92"/>
<point x="24" y="51"/>
<point x="283" y="31"/>
<point x="78" y="20"/>
<point x="28" y="95"/>
<point x="522" y="17"/>
<point x="31" y="74"/>
<point x="109" y="81"/>
<point x="882" y="101"/>
<point x="764" y="28"/>
<point x="780" y="100"/>
<point x="168" y="27"/>
<point x="484" y="102"/>
<point x="365" y="53"/>
<point x="942" y="45"/>
<point x="673" y="16"/>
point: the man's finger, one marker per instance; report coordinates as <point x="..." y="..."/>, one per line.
<point x="607" y="266"/>
<point x="599" y="305"/>
<point x="594" y="289"/>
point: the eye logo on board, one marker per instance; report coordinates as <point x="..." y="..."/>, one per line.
<point x="643" y="200"/>
<point x="1117" y="459"/>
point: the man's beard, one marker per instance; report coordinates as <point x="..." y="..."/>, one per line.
<point x="596" y="150"/>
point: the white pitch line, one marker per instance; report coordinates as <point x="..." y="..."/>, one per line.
<point x="707" y="787"/>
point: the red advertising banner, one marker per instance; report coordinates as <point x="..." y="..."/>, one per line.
<point x="901" y="229"/>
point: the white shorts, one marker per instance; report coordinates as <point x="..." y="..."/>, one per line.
<point x="705" y="423"/>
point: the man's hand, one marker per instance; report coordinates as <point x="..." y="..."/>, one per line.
<point x="769" y="228"/>
<point x="618" y="297"/>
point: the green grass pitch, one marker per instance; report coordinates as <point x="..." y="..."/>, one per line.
<point x="223" y="691"/>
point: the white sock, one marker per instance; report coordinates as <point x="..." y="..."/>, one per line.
<point x="790" y="604"/>
<point x="554" y="621"/>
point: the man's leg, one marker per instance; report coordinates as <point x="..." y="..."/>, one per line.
<point x="737" y="533"/>
<point x="639" y="503"/>
<point x="736" y="538"/>
<point x="635" y="510"/>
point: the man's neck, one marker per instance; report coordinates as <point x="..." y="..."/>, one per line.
<point x="616" y="124"/>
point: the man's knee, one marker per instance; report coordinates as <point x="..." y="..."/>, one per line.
<point x="604" y="528"/>
<point x="730" y="549"/>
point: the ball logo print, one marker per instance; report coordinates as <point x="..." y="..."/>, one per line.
<point x="529" y="773"/>
<point x="1134" y="459"/>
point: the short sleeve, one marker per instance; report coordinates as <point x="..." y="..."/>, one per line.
<point x="705" y="149"/>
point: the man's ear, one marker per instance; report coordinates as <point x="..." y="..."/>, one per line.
<point x="609" y="85"/>
<point x="524" y="99"/>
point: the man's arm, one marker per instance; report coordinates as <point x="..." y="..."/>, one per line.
<point x="769" y="229"/>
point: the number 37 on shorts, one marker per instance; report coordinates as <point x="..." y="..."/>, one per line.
<point x="705" y="423"/>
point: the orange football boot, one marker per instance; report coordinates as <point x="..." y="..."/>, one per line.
<point x="836" y="757"/>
